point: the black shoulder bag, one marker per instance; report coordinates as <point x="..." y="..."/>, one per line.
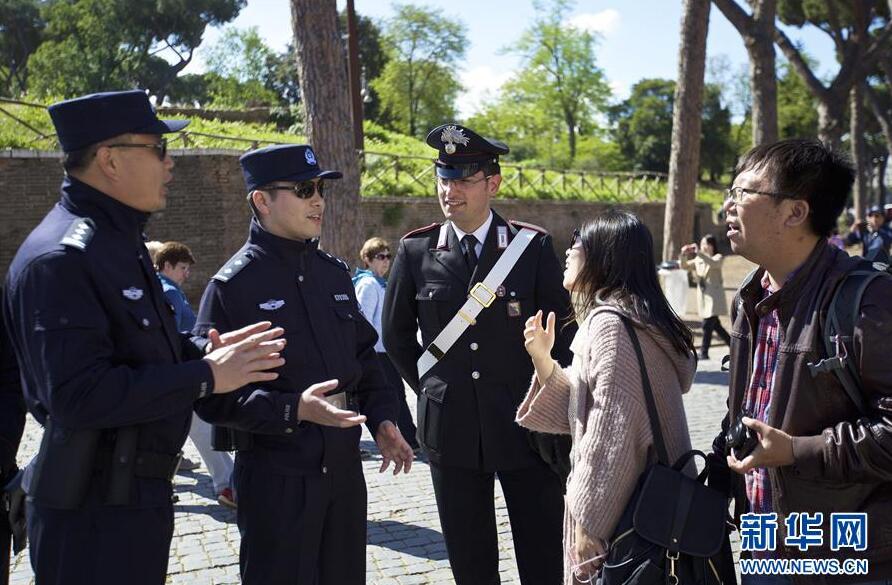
<point x="673" y="528"/>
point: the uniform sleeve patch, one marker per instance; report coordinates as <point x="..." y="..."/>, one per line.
<point x="233" y="266"/>
<point x="531" y="226"/>
<point x="421" y="230"/>
<point x="79" y="233"/>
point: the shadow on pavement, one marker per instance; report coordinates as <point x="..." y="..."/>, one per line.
<point x="718" y="378"/>
<point x="212" y="509"/>
<point x="409" y="539"/>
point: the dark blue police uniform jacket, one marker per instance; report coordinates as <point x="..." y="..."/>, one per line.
<point x="309" y="293"/>
<point x="469" y="399"/>
<point x="95" y="339"/>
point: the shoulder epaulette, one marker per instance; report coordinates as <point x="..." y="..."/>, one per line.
<point x="333" y="259"/>
<point x="234" y="266"/>
<point x="79" y="233"/>
<point x="421" y="230"/>
<point x="530" y="226"/>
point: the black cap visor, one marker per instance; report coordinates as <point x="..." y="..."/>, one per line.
<point x="447" y="171"/>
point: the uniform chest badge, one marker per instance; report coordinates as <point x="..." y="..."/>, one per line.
<point x="341" y="298"/>
<point x="132" y="293"/>
<point x="272" y="305"/>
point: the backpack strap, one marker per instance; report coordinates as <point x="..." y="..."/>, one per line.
<point x="839" y="331"/>
<point x="659" y="444"/>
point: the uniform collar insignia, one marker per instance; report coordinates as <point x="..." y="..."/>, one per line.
<point x="271" y="305"/>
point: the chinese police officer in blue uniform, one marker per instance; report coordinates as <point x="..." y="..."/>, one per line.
<point x="103" y="366"/>
<point x="475" y="371"/>
<point x="298" y="475"/>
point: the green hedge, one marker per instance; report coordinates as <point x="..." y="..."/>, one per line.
<point x="393" y="165"/>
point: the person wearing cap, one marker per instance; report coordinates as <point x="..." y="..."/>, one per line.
<point x="298" y="475"/>
<point x="875" y="237"/>
<point x="469" y="396"/>
<point x="102" y="364"/>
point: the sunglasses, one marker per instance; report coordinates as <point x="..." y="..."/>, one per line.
<point x="161" y="146"/>
<point x="303" y="190"/>
<point x="575" y="239"/>
<point x="383" y="256"/>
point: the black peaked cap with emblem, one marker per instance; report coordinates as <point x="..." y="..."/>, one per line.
<point x="463" y="152"/>
<point x="283" y="162"/>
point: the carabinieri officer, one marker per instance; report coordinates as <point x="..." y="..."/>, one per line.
<point x="298" y="475"/>
<point x="472" y="379"/>
<point x="103" y="366"/>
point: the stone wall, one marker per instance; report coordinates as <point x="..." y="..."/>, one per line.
<point x="207" y="210"/>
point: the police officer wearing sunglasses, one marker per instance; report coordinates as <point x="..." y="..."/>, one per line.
<point x="469" y="397"/>
<point x="298" y="475"/>
<point x="103" y="367"/>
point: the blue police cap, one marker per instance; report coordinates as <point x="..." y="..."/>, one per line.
<point x="283" y="162"/>
<point x="876" y="209"/>
<point x="89" y="119"/>
<point x="463" y="152"/>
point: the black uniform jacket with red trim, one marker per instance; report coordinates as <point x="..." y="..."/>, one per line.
<point x="468" y="400"/>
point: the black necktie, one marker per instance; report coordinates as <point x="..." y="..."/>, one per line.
<point x="470" y="244"/>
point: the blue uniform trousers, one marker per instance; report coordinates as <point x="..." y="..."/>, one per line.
<point x="301" y="529"/>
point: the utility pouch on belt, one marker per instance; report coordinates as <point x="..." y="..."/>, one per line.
<point x="62" y="470"/>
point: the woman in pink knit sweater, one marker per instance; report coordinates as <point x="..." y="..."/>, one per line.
<point x="599" y="399"/>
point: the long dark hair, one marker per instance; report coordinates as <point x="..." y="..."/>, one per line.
<point x="619" y="270"/>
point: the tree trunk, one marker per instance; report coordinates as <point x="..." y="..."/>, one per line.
<point x="831" y="113"/>
<point x="757" y="32"/>
<point x="571" y="135"/>
<point x="763" y="74"/>
<point x="884" y="119"/>
<point x="684" y="161"/>
<point x="859" y="150"/>
<point x="322" y="67"/>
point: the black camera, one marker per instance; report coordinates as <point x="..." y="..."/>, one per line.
<point x="741" y="438"/>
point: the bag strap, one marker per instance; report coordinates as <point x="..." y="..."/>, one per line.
<point x="838" y="334"/>
<point x="481" y="296"/>
<point x="660" y="445"/>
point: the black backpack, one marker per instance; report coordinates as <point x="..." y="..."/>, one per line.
<point x="839" y="326"/>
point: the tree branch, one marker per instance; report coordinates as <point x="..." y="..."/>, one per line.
<point x="795" y="58"/>
<point x="737" y="16"/>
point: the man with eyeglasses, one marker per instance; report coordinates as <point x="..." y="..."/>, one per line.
<point x="468" y="397"/>
<point x="103" y="366"/>
<point x="817" y="451"/>
<point x="298" y="475"/>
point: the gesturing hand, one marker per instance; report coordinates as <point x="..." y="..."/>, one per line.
<point x="394" y="448"/>
<point x="775" y="448"/>
<point x="315" y="408"/>
<point x="245" y="362"/>
<point x="217" y="340"/>
<point x="537" y="340"/>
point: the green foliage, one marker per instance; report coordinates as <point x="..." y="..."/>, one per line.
<point x="797" y="114"/>
<point x="643" y="124"/>
<point x="643" y="128"/>
<point x="95" y="45"/>
<point x="559" y="89"/>
<point x="20" y="31"/>
<point x="417" y="86"/>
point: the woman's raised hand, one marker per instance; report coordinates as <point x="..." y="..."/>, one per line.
<point x="537" y="340"/>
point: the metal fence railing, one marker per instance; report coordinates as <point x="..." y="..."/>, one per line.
<point x="391" y="174"/>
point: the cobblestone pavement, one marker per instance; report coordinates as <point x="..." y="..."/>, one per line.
<point x="405" y="543"/>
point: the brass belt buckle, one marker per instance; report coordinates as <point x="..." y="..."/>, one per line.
<point x="483" y="303"/>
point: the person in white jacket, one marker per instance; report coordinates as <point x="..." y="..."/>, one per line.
<point x="370" y="284"/>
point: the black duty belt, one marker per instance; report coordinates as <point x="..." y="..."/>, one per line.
<point x="146" y="464"/>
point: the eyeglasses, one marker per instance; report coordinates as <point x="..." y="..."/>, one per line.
<point x="383" y="256"/>
<point x="443" y="182"/>
<point x="303" y="190"/>
<point x="735" y="194"/>
<point x="576" y="239"/>
<point x="161" y="146"/>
